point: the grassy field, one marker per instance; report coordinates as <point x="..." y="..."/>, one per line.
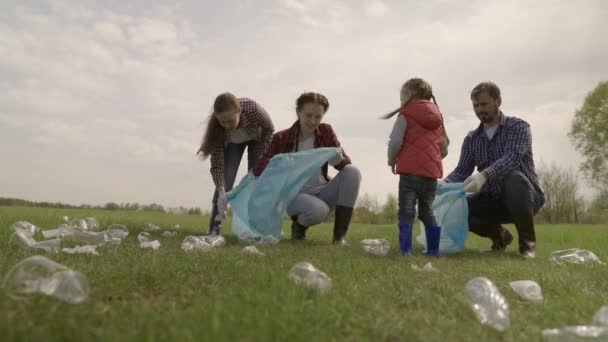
<point x="167" y="294"/>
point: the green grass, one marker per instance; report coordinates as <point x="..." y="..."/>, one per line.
<point x="168" y="294"/>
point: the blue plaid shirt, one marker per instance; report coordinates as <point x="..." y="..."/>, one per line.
<point x="510" y="149"/>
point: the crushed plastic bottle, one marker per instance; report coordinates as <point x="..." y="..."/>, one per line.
<point x="527" y="290"/>
<point x="252" y="250"/>
<point x="113" y="235"/>
<point x="268" y="240"/>
<point x="214" y="241"/>
<point x="79" y="224"/>
<point x="92" y="223"/>
<point x="427" y="268"/>
<point x="376" y="246"/>
<point x="168" y="234"/>
<point x="20" y="240"/>
<point x="83" y="237"/>
<point x="305" y="274"/>
<point x="150" y="244"/>
<point x="85" y="224"/>
<point x="601" y="317"/>
<point x="575" y="256"/>
<point x="146" y="242"/>
<point x="489" y="305"/>
<point x="576" y="333"/>
<point x="151" y="228"/>
<point x="143" y="237"/>
<point x="62" y="230"/>
<point x="86" y="249"/>
<point x="25" y="227"/>
<point x="38" y="274"/>
<point x="116" y="232"/>
<point x="195" y="243"/>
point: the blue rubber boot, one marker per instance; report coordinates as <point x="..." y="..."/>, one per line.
<point x="433" y="235"/>
<point x="405" y="239"/>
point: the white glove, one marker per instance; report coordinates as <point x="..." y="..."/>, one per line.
<point x="222" y="205"/>
<point x="474" y="183"/>
<point x="338" y="158"/>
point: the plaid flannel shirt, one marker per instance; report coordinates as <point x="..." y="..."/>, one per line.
<point x="510" y="149"/>
<point x="286" y="141"/>
<point x="255" y="120"/>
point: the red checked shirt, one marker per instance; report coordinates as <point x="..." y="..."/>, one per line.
<point x="256" y="122"/>
<point x="286" y="141"/>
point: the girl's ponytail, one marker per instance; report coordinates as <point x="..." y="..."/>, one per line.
<point x="213" y="136"/>
<point x="390" y="115"/>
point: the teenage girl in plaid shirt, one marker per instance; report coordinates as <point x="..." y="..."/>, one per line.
<point x="234" y="124"/>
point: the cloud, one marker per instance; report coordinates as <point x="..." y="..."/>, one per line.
<point x="110" y="31"/>
<point x="376" y="9"/>
<point x="152" y="31"/>
<point x="296" y="5"/>
<point x="332" y="15"/>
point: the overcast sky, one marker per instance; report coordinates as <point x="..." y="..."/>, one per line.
<point x="104" y="100"/>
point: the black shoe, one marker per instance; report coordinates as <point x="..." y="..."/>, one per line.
<point x="527" y="250"/>
<point x="214" y="230"/>
<point x="504" y="239"/>
<point x="298" y="231"/>
<point x="530" y="254"/>
<point x="341" y="223"/>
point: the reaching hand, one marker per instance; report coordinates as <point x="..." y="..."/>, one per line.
<point x="222" y="205"/>
<point x="474" y="183"/>
<point x="338" y="158"/>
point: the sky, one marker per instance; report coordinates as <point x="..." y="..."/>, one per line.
<point x="106" y="100"/>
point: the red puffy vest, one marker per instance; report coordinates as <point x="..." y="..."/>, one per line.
<point x="420" y="154"/>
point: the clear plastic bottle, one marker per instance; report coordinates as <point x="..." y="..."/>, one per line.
<point x="488" y="303"/>
<point x="376" y="246"/>
<point x="305" y="274"/>
<point x="39" y="275"/>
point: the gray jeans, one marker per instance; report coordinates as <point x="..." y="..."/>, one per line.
<point x="233" y="153"/>
<point x="342" y="190"/>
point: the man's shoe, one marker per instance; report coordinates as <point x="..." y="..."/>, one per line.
<point x="504" y="239"/>
<point x="528" y="254"/>
<point x="527" y="250"/>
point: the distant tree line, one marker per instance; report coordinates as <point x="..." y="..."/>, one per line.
<point x="107" y="206"/>
<point x="564" y="202"/>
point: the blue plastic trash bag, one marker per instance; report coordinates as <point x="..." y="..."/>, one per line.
<point x="452" y="214"/>
<point x="258" y="203"/>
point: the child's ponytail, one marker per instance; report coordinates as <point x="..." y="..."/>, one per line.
<point x="390" y="115"/>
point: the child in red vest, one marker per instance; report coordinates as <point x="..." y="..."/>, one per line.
<point x="417" y="145"/>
